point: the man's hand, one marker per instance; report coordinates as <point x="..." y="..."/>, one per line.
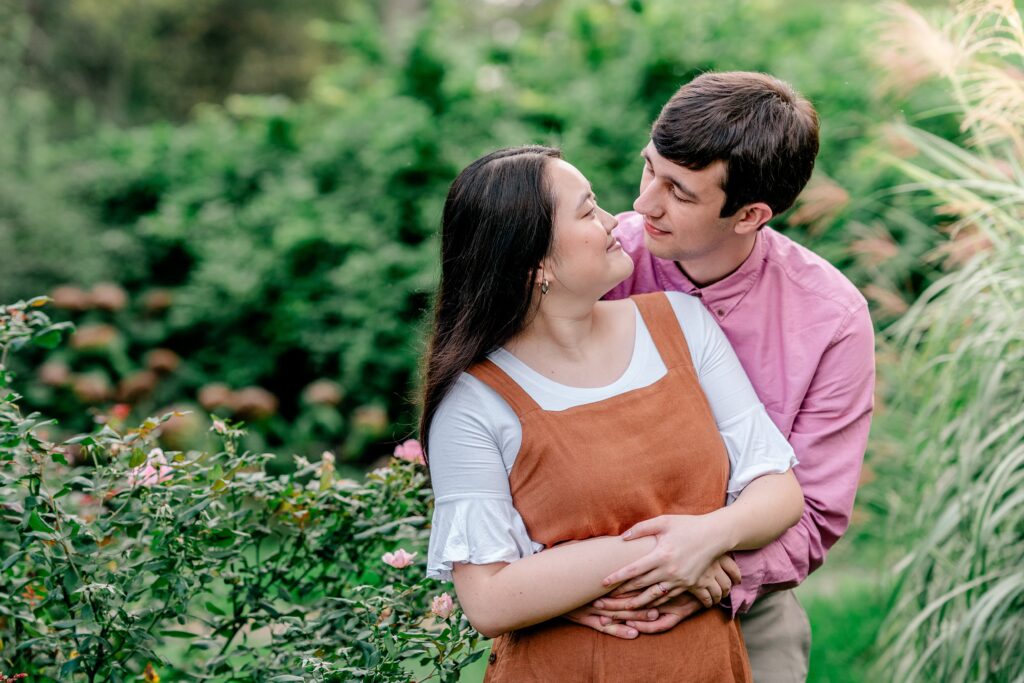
<point x="611" y="622"/>
<point x="687" y="545"/>
<point x="717" y="581"/>
<point x="671" y="613"/>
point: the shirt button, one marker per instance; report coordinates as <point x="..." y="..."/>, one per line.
<point x="720" y="312"/>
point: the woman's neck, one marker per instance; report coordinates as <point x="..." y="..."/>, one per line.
<point x="578" y="346"/>
<point x="561" y="327"/>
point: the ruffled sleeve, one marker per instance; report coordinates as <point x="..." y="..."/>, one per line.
<point x="477" y="531"/>
<point x="474" y="438"/>
<point x="756" y="447"/>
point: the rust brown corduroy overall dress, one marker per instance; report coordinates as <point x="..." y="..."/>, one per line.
<point x="597" y="469"/>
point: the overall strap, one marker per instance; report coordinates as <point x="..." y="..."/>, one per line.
<point x="662" y="323"/>
<point x="506" y="387"/>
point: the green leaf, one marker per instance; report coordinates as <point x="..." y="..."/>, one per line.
<point x="287" y="677"/>
<point x="138" y="457"/>
<point x="37" y="523"/>
<point x="179" y="634"/>
<point x="48" y="339"/>
<point x="214" y="609"/>
<point x="11" y="560"/>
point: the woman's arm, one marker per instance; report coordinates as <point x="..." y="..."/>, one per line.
<point x="687" y="544"/>
<point x="501" y="597"/>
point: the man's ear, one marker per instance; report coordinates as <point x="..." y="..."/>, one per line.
<point x="752" y="217"/>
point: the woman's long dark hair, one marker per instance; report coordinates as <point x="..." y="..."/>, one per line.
<point x="496" y="228"/>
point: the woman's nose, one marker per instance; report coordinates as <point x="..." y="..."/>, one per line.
<point x="610" y="221"/>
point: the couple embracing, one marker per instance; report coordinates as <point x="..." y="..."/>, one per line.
<point x="643" y="431"/>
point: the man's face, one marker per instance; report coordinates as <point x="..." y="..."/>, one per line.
<point x="681" y="209"/>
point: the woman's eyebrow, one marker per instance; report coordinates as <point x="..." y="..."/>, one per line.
<point x="586" y="195"/>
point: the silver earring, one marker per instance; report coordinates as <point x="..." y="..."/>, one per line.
<point x="544" y="286"/>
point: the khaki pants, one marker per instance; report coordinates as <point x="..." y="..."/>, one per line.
<point x="778" y="637"/>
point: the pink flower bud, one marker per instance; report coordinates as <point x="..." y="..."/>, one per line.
<point x="220" y="427"/>
<point x="399" y="559"/>
<point x="411" y="451"/>
<point x="154" y="471"/>
<point x="442" y="606"/>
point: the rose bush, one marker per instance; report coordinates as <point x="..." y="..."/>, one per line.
<point x="123" y="559"/>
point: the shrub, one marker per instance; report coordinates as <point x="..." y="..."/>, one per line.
<point x="276" y="244"/>
<point x="123" y="559"/>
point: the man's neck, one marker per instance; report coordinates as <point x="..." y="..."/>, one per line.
<point x="712" y="268"/>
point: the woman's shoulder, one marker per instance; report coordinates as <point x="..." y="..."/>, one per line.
<point x="688" y="309"/>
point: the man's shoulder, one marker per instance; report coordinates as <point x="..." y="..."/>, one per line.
<point x="809" y="273"/>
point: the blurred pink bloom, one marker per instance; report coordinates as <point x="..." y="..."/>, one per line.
<point x="153" y="472"/>
<point x="220" y="427"/>
<point x="412" y="451"/>
<point x="399" y="559"/>
<point x="121" y="411"/>
<point x="442" y="606"/>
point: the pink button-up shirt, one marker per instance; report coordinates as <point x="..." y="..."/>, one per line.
<point x="804" y="336"/>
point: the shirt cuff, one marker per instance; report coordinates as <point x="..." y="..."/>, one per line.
<point x="753" y="566"/>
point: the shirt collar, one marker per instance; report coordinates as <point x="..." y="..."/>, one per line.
<point x="723" y="296"/>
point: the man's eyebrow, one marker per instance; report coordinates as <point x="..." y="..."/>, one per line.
<point x="678" y="184"/>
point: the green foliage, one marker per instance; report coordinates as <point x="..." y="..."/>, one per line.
<point x="191" y="563"/>
<point x="293" y="242"/>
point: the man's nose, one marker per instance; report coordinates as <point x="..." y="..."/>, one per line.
<point x="646" y="203"/>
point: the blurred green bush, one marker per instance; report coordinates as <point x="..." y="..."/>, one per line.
<point x="286" y="249"/>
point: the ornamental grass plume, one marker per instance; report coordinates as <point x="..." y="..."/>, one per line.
<point x="956" y="387"/>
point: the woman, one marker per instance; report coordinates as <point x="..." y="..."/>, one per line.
<point x="555" y="420"/>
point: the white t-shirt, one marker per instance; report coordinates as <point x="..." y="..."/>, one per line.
<point x="475" y="437"/>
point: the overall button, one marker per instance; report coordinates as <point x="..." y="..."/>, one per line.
<point x="492" y="659"/>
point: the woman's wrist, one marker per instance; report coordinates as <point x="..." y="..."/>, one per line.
<point x="725" y="531"/>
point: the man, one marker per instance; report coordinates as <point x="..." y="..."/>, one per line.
<point x="727" y="153"/>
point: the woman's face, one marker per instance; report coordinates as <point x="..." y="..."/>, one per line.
<point x="585" y="259"/>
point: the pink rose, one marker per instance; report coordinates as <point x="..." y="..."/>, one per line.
<point x="442" y="606"/>
<point x="154" y="471"/>
<point x="398" y="559"/>
<point x="411" y="451"/>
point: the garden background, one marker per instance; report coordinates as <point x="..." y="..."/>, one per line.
<point x="235" y="202"/>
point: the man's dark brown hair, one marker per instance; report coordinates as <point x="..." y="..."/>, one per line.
<point x="764" y="131"/>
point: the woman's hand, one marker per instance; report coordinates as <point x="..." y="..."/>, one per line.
<point x="687" y="546"/>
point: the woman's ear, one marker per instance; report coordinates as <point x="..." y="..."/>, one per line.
<point x="752" y="217"/>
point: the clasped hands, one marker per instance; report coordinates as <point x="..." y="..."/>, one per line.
<point x="687" y="571"/>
